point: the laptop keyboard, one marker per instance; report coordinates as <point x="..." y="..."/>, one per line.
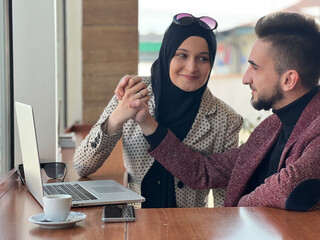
<point x="77" y="192"/>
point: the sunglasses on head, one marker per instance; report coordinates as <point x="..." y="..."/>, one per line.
<point x="54" y="170"/>
<point x="186" y="19"/>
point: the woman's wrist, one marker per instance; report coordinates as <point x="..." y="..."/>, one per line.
<point x="113" y="124"/>
<point x="148" y="126"/>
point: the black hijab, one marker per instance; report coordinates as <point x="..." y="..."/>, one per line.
<point x="175" y="108"/>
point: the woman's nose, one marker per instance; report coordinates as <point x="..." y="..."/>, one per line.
<point x="191" y="65"/>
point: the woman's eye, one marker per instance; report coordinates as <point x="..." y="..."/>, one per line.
<point x="181" y="55"/>
<point x="204" y="59"/>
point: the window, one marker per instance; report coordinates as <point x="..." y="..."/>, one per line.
<point x="5" y="120"/>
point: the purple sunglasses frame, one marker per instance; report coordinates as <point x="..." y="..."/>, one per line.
<point x="204" y="21"/>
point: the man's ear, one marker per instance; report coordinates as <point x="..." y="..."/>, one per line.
<point x="289" y="80"/>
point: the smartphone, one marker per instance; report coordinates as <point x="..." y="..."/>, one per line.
<point x="118" y="213"/>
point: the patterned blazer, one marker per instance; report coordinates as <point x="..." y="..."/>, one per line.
<point x="215" y="129"/>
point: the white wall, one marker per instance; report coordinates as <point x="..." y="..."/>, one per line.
<point x="60" y="65"/>
<point x="35" y="74"/>
<point x="74" y="61"/>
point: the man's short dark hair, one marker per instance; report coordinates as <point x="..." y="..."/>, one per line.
<point x="295" y="44"/>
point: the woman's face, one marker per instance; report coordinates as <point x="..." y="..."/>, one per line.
<point x="190" y="66"/>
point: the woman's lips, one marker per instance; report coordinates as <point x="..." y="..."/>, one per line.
<point x="189" y="77"/>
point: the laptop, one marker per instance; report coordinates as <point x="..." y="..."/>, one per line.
<point x="100" y="192"/>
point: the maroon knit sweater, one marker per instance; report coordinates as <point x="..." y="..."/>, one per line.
<point x="235" y="167"/>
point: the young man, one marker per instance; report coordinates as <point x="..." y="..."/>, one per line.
<point x="279" y="165"/>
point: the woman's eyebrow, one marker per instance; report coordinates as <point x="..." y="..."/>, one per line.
<point x="185" y="50"/>
<point x="182" y="49"/>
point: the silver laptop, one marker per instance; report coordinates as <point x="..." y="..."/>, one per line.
<point x="99" y="192"/>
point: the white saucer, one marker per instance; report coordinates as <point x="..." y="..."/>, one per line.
<point x="71" y="221"/>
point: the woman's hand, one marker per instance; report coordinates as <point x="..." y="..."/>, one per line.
<point x="120" y="89"/>
<point x="143" y="117"/>
<point x="135" y="89"/>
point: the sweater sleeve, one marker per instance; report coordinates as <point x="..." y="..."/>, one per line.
<point x="97" y="146"/>
<point x="278" y="187"/>
<point x="196" y="170"/>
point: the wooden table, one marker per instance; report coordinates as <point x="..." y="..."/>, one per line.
<point x="224" y="223"/>
<point x="17" y="205"/>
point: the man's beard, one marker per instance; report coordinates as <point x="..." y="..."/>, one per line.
<point x="267" y="103"/>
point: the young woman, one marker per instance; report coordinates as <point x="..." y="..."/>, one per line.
<point x="178" y="98"/>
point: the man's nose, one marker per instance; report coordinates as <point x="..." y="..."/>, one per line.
<point x="247" y="79"/>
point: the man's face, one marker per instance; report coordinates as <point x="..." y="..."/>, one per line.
<point x="263" y="80"/>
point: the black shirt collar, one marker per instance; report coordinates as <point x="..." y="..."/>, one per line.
<point x="290" y="114"/>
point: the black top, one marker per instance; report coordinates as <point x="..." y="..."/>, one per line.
<point x="289" y="116"/>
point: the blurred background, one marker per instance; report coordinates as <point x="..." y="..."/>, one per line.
<point x="235" y="36"/>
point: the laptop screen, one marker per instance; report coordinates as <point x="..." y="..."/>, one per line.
<point x="104" y="191"/>
<point x="29" y="150"/>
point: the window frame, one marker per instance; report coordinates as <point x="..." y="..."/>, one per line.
<point x="6" y="89"/>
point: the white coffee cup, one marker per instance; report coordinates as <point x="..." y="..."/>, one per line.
<point x="57" y="207"/>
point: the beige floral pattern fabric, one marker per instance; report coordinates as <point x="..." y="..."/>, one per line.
<point x="215" y="129"/>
